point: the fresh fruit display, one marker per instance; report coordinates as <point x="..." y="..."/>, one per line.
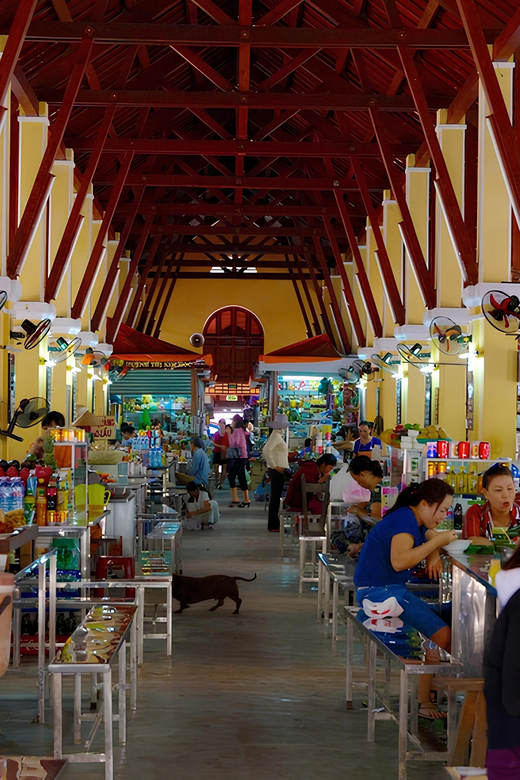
<point x="393" y="436"/>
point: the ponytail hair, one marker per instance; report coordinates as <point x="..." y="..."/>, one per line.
<point x="433" y="491"/>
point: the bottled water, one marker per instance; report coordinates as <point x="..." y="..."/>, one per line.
<point x="16" y="499"/>
<point x="5" y="494"/>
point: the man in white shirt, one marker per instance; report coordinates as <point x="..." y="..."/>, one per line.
<point x="276" y="455"/>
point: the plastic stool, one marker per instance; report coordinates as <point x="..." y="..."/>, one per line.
<point x="103" y="571"/>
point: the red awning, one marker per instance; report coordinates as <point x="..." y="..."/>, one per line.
<point x="135" y="347"/>
<point x="315" y="350"/>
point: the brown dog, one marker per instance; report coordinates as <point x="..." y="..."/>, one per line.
<point x="191" y="590"/>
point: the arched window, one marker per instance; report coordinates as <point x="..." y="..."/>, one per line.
<point x="235" y="339"/>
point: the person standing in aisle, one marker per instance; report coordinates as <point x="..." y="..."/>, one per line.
<point x="276" y="455"/>
<point x="237" y="452"/>
<point x="220" y="444"/>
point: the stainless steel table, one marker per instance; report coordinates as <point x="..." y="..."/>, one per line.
<point x="474" y="606"/>
<point x="92" y="649"/>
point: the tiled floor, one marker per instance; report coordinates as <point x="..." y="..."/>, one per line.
<point x="254" y="696"/>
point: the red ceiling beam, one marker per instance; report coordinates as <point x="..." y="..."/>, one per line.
<point x="509" y="39"/>
<point x="464" y="250"/>
<point x="234" y="148"/>
<point x="113" y="271"/>
<point x="243" y="230"/>
<point x="159" y="298"/>
<point x="271" y="277"/>
<point x="278" y="12"/>
<point x="308" y="328"/>
<point x="142" y="279"/>
<point x="202" y="66"/>
<point x="383" y="261"/>
<point x="122" y="303"/>
<point x="268" y="100"/>
<point x="43" y="181"/>
<point x="214" y="12"/>
<point x="319" y="296"/>
<point x="92" y="268"/>
<point x="364" y="284"/>
<point x="167" y="298"/>
<point x="145" y="313"/>
<point x="234" y="262"/>
<point x="123" y="33"/>
<point x="232" y="248"/>
<point x="505" y="137"/>
<point x="347" y="289"/>
<point x="336" y="310"/>
<point x="310" y="302"/>
<point x="223" y="209"/>
<point x="13" y="46"/>
<point x="75" y="219"/>
<point x="412" y="242"/>
<point x="291" y="183"/>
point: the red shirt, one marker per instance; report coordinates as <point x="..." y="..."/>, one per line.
<point x="479" y="522"/>
<point x="223" y="440"/>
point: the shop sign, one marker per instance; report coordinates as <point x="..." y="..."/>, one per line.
<point x="170" y="365"/>
<point x="231" y="397"/>
<point x="105" y="429"/>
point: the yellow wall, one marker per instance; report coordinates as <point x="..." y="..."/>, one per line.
<point x="274" y="303"/>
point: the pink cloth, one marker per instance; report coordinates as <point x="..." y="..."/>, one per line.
<point x="238" y="439"/>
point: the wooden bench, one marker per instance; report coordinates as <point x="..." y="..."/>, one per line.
<point x="410" y="664"/>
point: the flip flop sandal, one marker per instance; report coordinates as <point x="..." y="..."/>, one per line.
<point x="430" y="711"/>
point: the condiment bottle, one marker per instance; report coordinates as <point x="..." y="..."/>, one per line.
<point x="41" y="502"/>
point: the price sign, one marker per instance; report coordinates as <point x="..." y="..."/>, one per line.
<point x="105" y="429"/>
<point x="231" y="397"/>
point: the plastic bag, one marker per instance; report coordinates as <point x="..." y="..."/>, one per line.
<point x="343" y="487"/>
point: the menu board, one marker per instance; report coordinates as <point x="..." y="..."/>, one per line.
<point x="154" y="563"/>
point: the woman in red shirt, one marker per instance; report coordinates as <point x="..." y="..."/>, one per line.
<point x="220" y="445"/>
<point x="500" y="509"/>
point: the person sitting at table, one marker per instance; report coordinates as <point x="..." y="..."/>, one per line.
<point x="405" y="537"/>
<point x="500" y="509"/>
<point x="368" y="474"/>
<point x="197" y="515"/>
<point x="127" y="432"/>
<point x="315" y="472"/>
<point x="199" y="471"/>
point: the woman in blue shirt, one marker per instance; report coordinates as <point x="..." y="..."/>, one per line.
<point x="400" y="541"/>
<point x="366" y="441"/>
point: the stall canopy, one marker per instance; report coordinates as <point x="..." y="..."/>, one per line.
<point x="138" y="350"/>
<point x="316" y="350"/>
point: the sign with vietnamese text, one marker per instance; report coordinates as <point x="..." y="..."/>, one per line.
<point x="105" y="429"/>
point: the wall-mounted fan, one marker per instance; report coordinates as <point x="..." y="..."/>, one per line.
<point x="502" y="311"/>
<point x="65" y="349"/>
<point x="94" y="359"/>
<point x="116" y="371"/>
<point x="197" y="340"/>
<point x="29" y="412"/>
<point x="34" y="334"/>
<point x="412" y="355"/>
<point x="3" y="299"/>
<point x="365" y="370"/>
<point x="384" y="363"/>
<point x="446" y="335"/>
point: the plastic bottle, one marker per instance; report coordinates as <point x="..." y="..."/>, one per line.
<point x="52" y="501"/>
<point x="17" y="494"/>
<point x="450" y="477"/>
<point x="457" y="517"/>
<point x="473" y="481"/>
<point x="4" y="494"/>
<point x="461" y="482"/>
<point x="41" y="502"/>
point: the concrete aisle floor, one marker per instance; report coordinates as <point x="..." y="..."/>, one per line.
<point x="247" y="697"/>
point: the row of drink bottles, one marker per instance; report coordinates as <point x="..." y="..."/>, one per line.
<point x="12" y="493"/>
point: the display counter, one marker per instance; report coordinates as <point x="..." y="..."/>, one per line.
<point x="474" y="604"/>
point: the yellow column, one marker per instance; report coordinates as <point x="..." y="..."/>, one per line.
<point x="358" y="298"/>
<point x="495" y="389"/>
<point x="61" y="200"/>
<point x="4" y="177"/>
<point x="412" y="399"/>
<point x="449" y="278"/>
<point x="449" y="385"/>
<point x="494" y="208"/>
<point x="33" y="142"/>
<point x="393" y="243"/>
<point x="418" y="199"/>
<point x="374" y="276"/>
<point x="4" y="387"/>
